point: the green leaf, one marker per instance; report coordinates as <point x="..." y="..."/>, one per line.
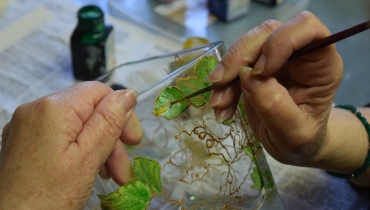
<point x="148" y="171"/>
<point x="256" y="175"/>
<point x="134" y="195"/>
<point x="249" y="152"/>
<point x="163" y="107"/>
<point x="190" y="85"/>
<point x="129" y="147"/>
<point x="228" y="122"/>
<point x="204" y="66"/>
<point x="269" y="182"/>
<point x="256" y="178"/>
<point x="242" y="110"/>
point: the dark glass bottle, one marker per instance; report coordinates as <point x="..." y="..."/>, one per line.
<point x="92" y="46"/>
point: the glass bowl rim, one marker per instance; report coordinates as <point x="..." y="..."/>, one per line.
<point x="211" y="47"/>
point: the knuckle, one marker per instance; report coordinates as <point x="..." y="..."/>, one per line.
<point x="234" y="53"/>
<point x="274" y="100"/>
<point x="46" y="101"/>
<point x="269" y="97"/>
<point x="45" y="104"/>
<point x="239" y="51"/>
<point x="312" y="21"/>
<point x="285" y="46"/>
<point x="267" y="27"/>
<point x="19" y="110"/>
<point x="306" y="16"/>
<point x="90" y="83"/>
<point x="41" y="112"/>
<point x="113" y="122"/>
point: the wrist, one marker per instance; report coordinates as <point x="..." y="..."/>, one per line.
<point x="9" y="200"/>
<point x="13" y="194"/>
<point x="319" y="157"/>
<point x="346" y="145"/>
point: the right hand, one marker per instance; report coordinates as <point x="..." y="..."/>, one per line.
<point x="287" y="102"/>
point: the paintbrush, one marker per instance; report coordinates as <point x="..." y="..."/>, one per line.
<point x="315" y="45"/>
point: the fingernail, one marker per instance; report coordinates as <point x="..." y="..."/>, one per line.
<point x="221" y="116"/>
<point x="215" y="98"/>
<point x="243" y="70"/>
<point x="260" y="65"/>
<point x="125" y="98"/>
<point x="216" y="75"/>
<point x="250" y="81"/>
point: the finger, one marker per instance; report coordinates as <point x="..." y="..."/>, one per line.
<point x="119" y="166"/>
<point x="223" y="97"/>
<point x="103" y="172"/>
<point x="244" y="52"/>
<point x="227" y="113"/>
<point x="83" y="101"/>
<point x="272" y="105"/>
<point x="255" y="123"/>
<point x="253" y="119"/>
<point x="104" y="127"/>
<point x="132" y="132"/>
<point x="303" y="29"/>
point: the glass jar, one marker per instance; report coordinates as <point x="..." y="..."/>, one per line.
<point x="92" y="44"/>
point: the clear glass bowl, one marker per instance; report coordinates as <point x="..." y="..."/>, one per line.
<point x="204" y="164"/>
<point x="141" y="74"/>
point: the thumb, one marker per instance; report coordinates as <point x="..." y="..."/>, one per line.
<point x="104" y="126"/>
<point x="270" y="105"/>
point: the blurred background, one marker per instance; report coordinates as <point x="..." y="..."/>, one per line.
<point x="181" y="19"/>
<point x="336" y="15"/>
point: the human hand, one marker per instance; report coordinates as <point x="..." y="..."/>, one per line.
<point x="54" y="147"/>
<point x="287" y="102"/>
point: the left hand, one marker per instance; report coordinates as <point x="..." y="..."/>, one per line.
<point x="54" y="147"/>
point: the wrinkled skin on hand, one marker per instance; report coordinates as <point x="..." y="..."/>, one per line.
<point x="287" y="102"/>
<point x="54" y="147"/>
